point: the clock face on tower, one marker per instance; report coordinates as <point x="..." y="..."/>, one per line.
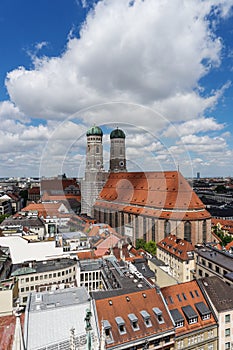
<point x="98" y="162"/>
<point x="121" y="163"/>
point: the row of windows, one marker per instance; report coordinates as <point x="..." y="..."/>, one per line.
<point x="216" y="269"/>
<point x="95" y="275"/>
<point x="46" y="276"/>
<point x="32" y="288"/>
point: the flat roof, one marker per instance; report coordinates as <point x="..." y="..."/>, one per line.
<point x="21" y="250"/>
<point x="218" y="257"/>
<point x="42" y="266"/>
<point x="50" y="316"/>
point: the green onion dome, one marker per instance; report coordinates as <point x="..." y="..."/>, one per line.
<point x="117" y="134"/>
<point x="94" y="131"/>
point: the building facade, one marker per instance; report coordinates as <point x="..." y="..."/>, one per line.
<point x="48" y="275"/>
<point x="220" y="297"/>
<point x="213" y="262"/>
<point x="195" y="323"/>
<point x="178" y="254"/>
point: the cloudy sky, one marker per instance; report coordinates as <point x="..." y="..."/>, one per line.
<point x="159" y="69"/>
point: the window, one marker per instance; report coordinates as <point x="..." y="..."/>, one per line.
<point x="187" y="231"/>
<point x="156" y="342"/>
<point x="191" y="293"/>
<point x="227" y="332"/>
<point x="217" y="269"/>
<point x="153" y="230"/>
<point x="210" y="265"/>
<point x="22" y="290"/>
<point x="179" y="324"/>
<point x="27" y="279"/>
<point x="167" y="339"/>
<point x="227" y="318"/>
<point x="180" y="344"/>
<point x="178" y="297"/>
<point x="167" y="228"/>
<point x="134" y="321"/>
<point x="158" y="314"/>
<point x="36" y="278"/>
<point x="193" y="320"/>
<point x="146" y="318"/>
<point x="227" y="345"/>
<point x="121" y="325"/>
<point x="204" y="230"/>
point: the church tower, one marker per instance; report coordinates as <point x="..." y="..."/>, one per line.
<point x="94" y="150"/>
<point x="117" y="151"/>
<point x="95" y="175"/>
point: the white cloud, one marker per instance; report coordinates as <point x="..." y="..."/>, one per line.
<point x="136" y="64"/>
<point x="194" y="126"/>
<point x="151" y="53"/>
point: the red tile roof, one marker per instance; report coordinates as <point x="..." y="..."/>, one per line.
<point x="226" y="225"/>
<point x="133" y="303"/>
<point x="177" y="247"/>
<point x="152" y="194"/>
<point x="181" y="295"/>
<point x="44" y="209"/>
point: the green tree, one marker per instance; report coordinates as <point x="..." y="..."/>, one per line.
<point x="3" y="217"/>
<point x="150" y="247"/>
<point x="140" y="243"/>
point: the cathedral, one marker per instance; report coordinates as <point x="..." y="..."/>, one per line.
<point x="95" y="175"/>
<point x="148" y="205"/>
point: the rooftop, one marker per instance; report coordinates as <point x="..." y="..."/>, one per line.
<point x="177" y="247"/>
<point x="221" y="258"/>
<point x="42" y="266"/>
<point x="159" y="194"/>
<point x="141" y="314"/>
<point x="219" y="292"/>
<point x="188" y="306"/>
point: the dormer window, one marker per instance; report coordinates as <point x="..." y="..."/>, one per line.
<point x="134" y="321"/>
<point x="190" y="314"/>
<point x="203" y="310"/>
<point x="108" y="331"/>
<point x="121" y="325"/>
<point x="146" y="318"/>
<point x="158" y="314"/>
<point x="177" y="317"/>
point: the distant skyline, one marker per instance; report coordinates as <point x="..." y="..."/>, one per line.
<point x="160" y="70"/>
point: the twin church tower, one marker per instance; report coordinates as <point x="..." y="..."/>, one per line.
<point x="95" y="174"/>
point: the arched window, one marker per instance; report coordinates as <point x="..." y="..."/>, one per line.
<point x="204" y="231"/>
<point x="167" y="228"/>
<point x="97" y="149"/>
<point x="187" y="231"/>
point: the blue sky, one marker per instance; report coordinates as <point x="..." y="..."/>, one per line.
<point x="160" y="70"/>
